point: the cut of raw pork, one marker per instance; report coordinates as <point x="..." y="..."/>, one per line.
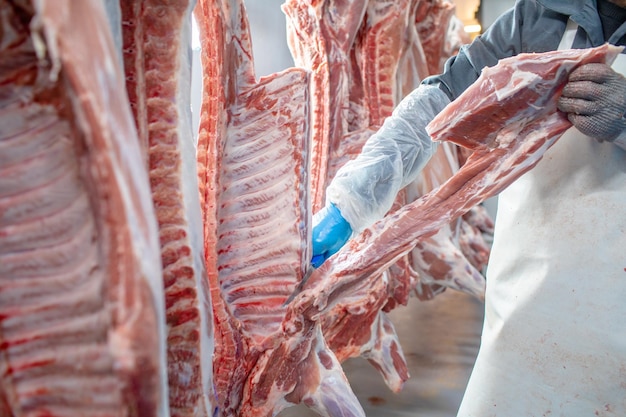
<point x="390" y="77"/>
<point x="376" y="52"/>
<point x="360" y="57"/>
<point x="386" y="47"/>
<point x="71" y="159"/>
<point x="157" y="62"/>
<point x="379" y="51"/>
<point x="413" y="66"/>
<point x="531" y="79"/>
<point x="446" y="259"/>
<point x="442" y="260"/>
<point x="81" y="299"/>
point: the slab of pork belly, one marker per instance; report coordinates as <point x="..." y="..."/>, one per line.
<point x="81" y="300"/>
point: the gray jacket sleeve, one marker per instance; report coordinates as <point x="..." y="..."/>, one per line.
<point x="527" y="27"/>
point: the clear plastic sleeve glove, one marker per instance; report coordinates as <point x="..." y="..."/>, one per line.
<point x="364" y="188"/>
<point x="330" y="232"/>
<point x="594" y="99"/>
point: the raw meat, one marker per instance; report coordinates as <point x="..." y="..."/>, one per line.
<point x="386" y="46"/>
<point x="412" y="67"/>
<point x="441" y="263"/>
<point x="157" y="62"/>
<point x="455" y="37"/>
<point x="453" y="269"/>
<point x="375" y="55"/>
<point x="432" y="21"/>
<point x="531" y="79"/>
<point x="367" y="67"/>
<point x="253" y="166"/>
<point x="72" y="155"/>
<point x="446" y="259"/>
<point x="473" y="244"/>
<point x="320" y="36"/>
<point x="380" y="50"/>
<point x="81" y="311"/>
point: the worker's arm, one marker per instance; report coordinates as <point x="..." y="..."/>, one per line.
<point x="595" y="102"/>
<point x="365" y="188"/>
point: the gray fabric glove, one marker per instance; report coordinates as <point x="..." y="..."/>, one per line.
<point x="595" y="101"/>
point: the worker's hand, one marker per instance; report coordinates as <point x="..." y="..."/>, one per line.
<point x="595" y="101"/>
<point x="330" y="232"/>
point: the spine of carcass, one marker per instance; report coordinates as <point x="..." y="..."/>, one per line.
<point x="320" y="38"/>
<point x="157" y="61"/>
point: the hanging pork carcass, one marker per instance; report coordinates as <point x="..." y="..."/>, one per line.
<point x="253" y="166"/>
<point x="81" y="298"/>
<point x="156" y="51"/>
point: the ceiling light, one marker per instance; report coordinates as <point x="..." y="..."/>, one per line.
<point x="472" y="28"/>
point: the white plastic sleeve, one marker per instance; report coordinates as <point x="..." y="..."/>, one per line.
<point x="364" y="189"/>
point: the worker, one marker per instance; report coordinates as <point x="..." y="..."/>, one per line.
<point x="554" y="333"/>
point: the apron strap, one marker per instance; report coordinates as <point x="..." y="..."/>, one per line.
<point x="567" y="41"/>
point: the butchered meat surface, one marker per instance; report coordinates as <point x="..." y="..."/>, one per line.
<point x="81" y="323"/>
<point x="157" y="64"/>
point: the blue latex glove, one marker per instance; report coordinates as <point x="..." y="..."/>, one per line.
<point x="594" y="99"/>
<point x="330" y="232"/>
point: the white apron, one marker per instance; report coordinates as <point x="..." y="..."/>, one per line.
<point x="554" y="337"/>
